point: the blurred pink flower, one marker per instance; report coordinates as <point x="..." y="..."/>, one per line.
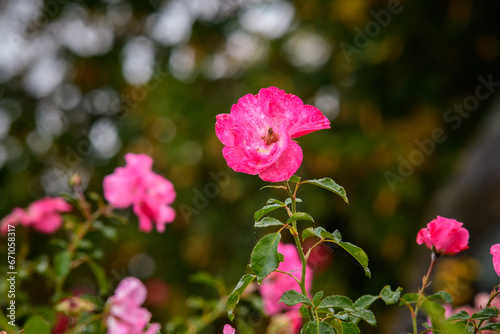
<point x="138" y="186"/>
<point x="480" y="301"/>
<point x="495" y="251"/>
<point x="43" y="215"/>
<point x="276" y="284"/>
<point x="444" y="236"/>
<point x="228" y="330"/>
<point x="125" y="315"/>
<point x="258" y="133"/>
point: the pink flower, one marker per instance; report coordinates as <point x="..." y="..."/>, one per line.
<point x="495" y="251"/>
<point x="228" y="330"/>
<point x="274" y="285"/>
<point x="125" y="315"/>
<point x="138" y="186"/>
<point x="43" y="215"/>
<point x="444" y="236"/>
<point x="258" y="133"/>
<point x="285" y="323"/>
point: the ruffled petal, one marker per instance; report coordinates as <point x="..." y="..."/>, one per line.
<point x="145" y="214"/>
<point x="495" y="251"/>
<point x="308" y="119"/>
<point x="287" y="164"/>
<point x="223" y="129"/>
<point x="120" y="189"/>
<point x="49" y="223"/>
<point x="139" y="163"/>
<point x="132" y="290"/>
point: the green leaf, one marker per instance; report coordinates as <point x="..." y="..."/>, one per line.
<point x="364" y="314"/>
<point x="288" y="201"/>
<point x="358" y="254"/>
<point x="294" y="179"/>
<point x="349" y="328"/>
<point x="365" y="301"/>
<point x="36" y="325"/>
<point x="292" y="297"/>
<point x="409" y="298"/>
<point x="462" y="315"/>
<point x="390" y="297"/>
<point x="300" y="216"/>
<point x="320" y="232"/>
<point x="264" y="258"/>
<point x="110" y="232"/>
<point x="271" y="186"/>
<point x="336" y="238"/>
<point x="234" y="297"/>
<point x="491" y="326"/>
<point x="85" y="244"/>
<point x="485" y="313"/>
<point x="265" y="210"/>
<point x="207" y="279"/>
<point x="308" y="232"/>
<point x="329" y="184"/>
<point x="341" y="302"/>
<point x="62" y="263"/>
<point x="314" y="327"/>
<point x="318" y="295"/>
<point x="435" y="311"/>
<point x="268" y="221"/>
<point x="100" y="275"/>
<point x="441" y="295"/>
<point x="274" y="201"/>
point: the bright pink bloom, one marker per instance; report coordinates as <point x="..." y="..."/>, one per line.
<point x="258" y="133"/>
<point x="444" y="236"/>
<point x="495" y="251"/>
<point x="138" y="186"/>
<point x="228" y="330"/>
<point x="274" y="285"/>
<point x="43" y="215"/>
<point x="126" y="316"/>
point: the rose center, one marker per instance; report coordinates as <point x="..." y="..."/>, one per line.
<point x="270" y="137"/>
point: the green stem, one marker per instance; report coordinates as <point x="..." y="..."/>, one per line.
<point x="302" y="283"/>
<point x="421" y="296"/>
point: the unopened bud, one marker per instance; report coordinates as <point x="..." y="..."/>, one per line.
<point x="74" y="306"/>
<point x="75" y="180"/>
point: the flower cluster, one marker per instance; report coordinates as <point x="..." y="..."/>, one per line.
<point x="138" y="186"/>
<point x="258" y="133"/>
<point x="444" y="236"/>
<point x="43" y="215"/>
<point x="125" y="314"/>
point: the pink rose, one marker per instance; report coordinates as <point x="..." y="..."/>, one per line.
<point x="444" y="236"/>
<point x="125" y="315"/>
<point x="258" y="133"/>
<point x="274" y="285"/>
<point x="228" y="330"/>
<point x="495" y="251"/>
<point x="138" y="186"/>
<point x="43" y="215"/>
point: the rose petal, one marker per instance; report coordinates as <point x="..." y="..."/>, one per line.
<point x="308" y="120"/>
<point x="287" y="164"/>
